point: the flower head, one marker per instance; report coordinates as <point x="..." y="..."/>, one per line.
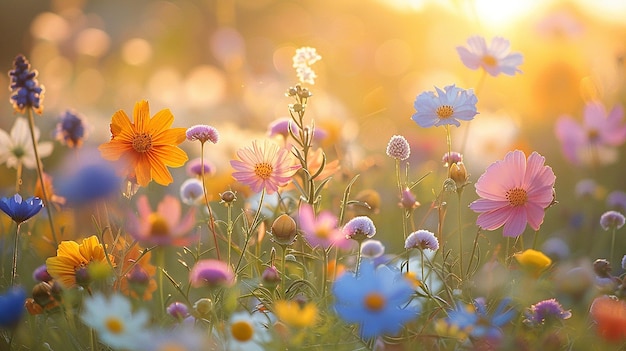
<point x="514" y="192"/>
<point x="616" y="200"/>
<point x="422" y="239"/>
<point x="211" y="273"/>
<point x="447" y="107"/>
<point x="247" y="332"/>
<point x="194" y="168"/>
<point x="163" y="227"/>
<point x="475" y="320"/>
<point x="612" y="220"/>
<point x="376" y="299"/>
<point x="91" y="182"/>
<point x="450" y="158"/>
<point x="372" y="249"/>
<point x="302" y="60"/>
<point x="545" y="311"/>
<point x="12" y="307"/>
<point x="148" y="145"/>
<point x="359" y="228"/>
<point x="191" y="191"/>
<point x="17" y="148"/>
<point x="203" y="133"/>
<point x="494" y="59"/>
<point x="398" y="148"/>
<point x="20" y="210"/>
<point x="322" y="230"/>
<point x="407" y="200"/>
<point x="178" y="310"/>
<point x="27" y="92"/>
<point x="295" y="313"/>
<point x="73" y="260"/>
<point x="265" y="166"/>
<point x="533" y="261"/>
<point x="114" y="321"/>
<point x="610" y="318"/>
<point x="71" y="129"/>
<point x="599" y="130"/>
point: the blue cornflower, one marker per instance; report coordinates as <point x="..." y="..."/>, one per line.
<point x="376" y="299"/>
<point x="71" y="129"/>
<point x="26" y="89"/>
<point x="444" y="108"/>
<point x="90" y="183"/>
<point x="12" y="307"/>
<point x="475" y="322"/>
<point x="20" y="210"/>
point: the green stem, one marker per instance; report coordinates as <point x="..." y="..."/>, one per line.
<point x="358" y="259"/>
<point x="473" y="251"/>
<point x="460" y="192"/>
<point x="283" y="275"/>
<point x="160" y="253"/>
<point x="18" y="181"/>
<point x="206" y="201"/>
<point x="31" y="124"/>
<point x="15" y="250"/>
<point x="229" y="229"/>
<point x="612" y="243"/>
<point x="535" y="239"/>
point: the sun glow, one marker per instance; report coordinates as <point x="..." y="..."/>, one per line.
<point x="497" y="14"/>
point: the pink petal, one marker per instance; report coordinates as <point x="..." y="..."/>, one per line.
<point x="516" y="223"/>
<point x="535" y="215"/>
<point x="486" y="205"/>
<point x="494" y="219"/>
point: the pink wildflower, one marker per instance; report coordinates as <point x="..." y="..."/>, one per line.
<point x="598" y="130"/>
<point x="265" y="166"/>
<point x="494" y="59"/>
<point x="321" y="231"/>
<point x="163" y="227"/>
<point x="514" y="192"/>
<point x="211" y="273"/>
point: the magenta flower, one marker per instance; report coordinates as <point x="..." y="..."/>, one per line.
<point x="321" y="231"/>
<point x="447" y="107"/>
<point x="598" y="130"/>
<point x="211" y="273"/>
<point x="163" y="227"/>
<point x="514" y="192"/>
<point x="266" y="166"/>
<point x="494" y="59"/>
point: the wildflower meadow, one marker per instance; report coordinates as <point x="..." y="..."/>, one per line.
<point x="190" y="175"/>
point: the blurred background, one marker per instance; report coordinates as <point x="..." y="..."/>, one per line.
<point x="228" y="63"/>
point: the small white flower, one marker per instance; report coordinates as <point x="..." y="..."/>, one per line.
<point x="18" y="147"/>
<point x="114" y="322"/>
<point x="247" y="332"/>
<point x="305" y="56"/>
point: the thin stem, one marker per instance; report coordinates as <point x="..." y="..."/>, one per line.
<point x="460" y="192"/>
<point x="229" y="229"/>
<point x="422" y="263"/>
<point x="283" y="276"/>
<point x="358" y="259"/>
<point x="535" y="239"/>
<point x="613" y="243"/>
<point x="160" y="253"/>
<point x="18" y="181"/>
<point x="449" y="143"/>
<point x="473" y="250"/>
<point x="325" y="272"/>
<point x="15" y="250"/>
<point x="31" y="124"/>
<point x="206" y="201"/>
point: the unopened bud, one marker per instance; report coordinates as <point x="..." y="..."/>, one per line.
<point x="284" y="230"/>
<point x="458" y="173"/>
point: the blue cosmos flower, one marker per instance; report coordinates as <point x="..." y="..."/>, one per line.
<point x="20" y="210"/>
<point x="376" y="299"/>
<point x="26" y="89"/>
<point x="90" y="183"/>
<point x="12" y="307"/>
<point x="476" y="322"/>
<point x="444" y="108"/>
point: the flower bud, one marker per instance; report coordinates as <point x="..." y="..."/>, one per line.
<point x="458" y="173"/>
<point x="203" y="306"/>
<point x="284" y="230"/>
<point x="270" y="276"/>
<point x="228" y="197"/>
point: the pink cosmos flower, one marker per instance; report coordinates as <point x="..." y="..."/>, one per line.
<point x="211" y="273"/>
<point x="598" y="130"/>
<point x="514" y="192"/>
<point x="265" y="166"/>
<point x="321" y="231"/>
<point x="494" y="59"/>
<point x="163" y="227"/>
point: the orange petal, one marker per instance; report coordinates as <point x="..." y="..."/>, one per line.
<point x="160" y="173"/>
<point x="113" y="150"/>
<point x="142" y="170"/>
<point x="141" y="116"/>
<point x="120" y="123"/>
<point x="161" y="122"/>
<point x="170" y="155"/>
<point x="172" y="136"/>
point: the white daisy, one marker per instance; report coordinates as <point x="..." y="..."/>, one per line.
<point x="247" y="332"/>
<point x="18" y="147"/>
<point x="115" y="323"/>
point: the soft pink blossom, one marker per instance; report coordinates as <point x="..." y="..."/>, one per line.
<point x="598" y="130"/>
<point x="514" y="192"/>
<point x="163" y="227"/>
<point x="494" y="59"/>
<point x="322" y="230"/>
<point x="266" y="166"/>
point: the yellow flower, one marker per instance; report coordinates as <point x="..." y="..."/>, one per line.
<point x="148" y="145"/>
<point x="533" y="261"/>
<point x="73" y="257"/>
<point x="296" y="314"/>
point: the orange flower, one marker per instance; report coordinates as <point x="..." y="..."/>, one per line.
<point x="148" y="145"/>
<point x="73" y="257"/>
<point x="610" y="318"/>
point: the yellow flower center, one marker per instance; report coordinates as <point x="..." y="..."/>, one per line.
<point x="444" y="111"/>
<point x="142" y="142"/>
<point x="322" y="233"/>
<point x="242" y="331"/>
<point x="593" y="135"/>
<point x="489" y="60"/>
<point x="374" y="301"/>
<point x="517" y="197"/>
<point x="158" y="225"/>
<point x="114" y="325"/>
<point x="263" y="170"/>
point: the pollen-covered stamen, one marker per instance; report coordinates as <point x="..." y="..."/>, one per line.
<point x="593" y="135"/>
<point x="142" y="142"/>
<point x="489" y="60"/>
<point x="114" y="325"/>
<point x="158" y="225"/>
<point x="263" y="170"/>
<point x="374" y="301"/>
<point x="517" y="197"/>
<point x="444" y="111"/>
